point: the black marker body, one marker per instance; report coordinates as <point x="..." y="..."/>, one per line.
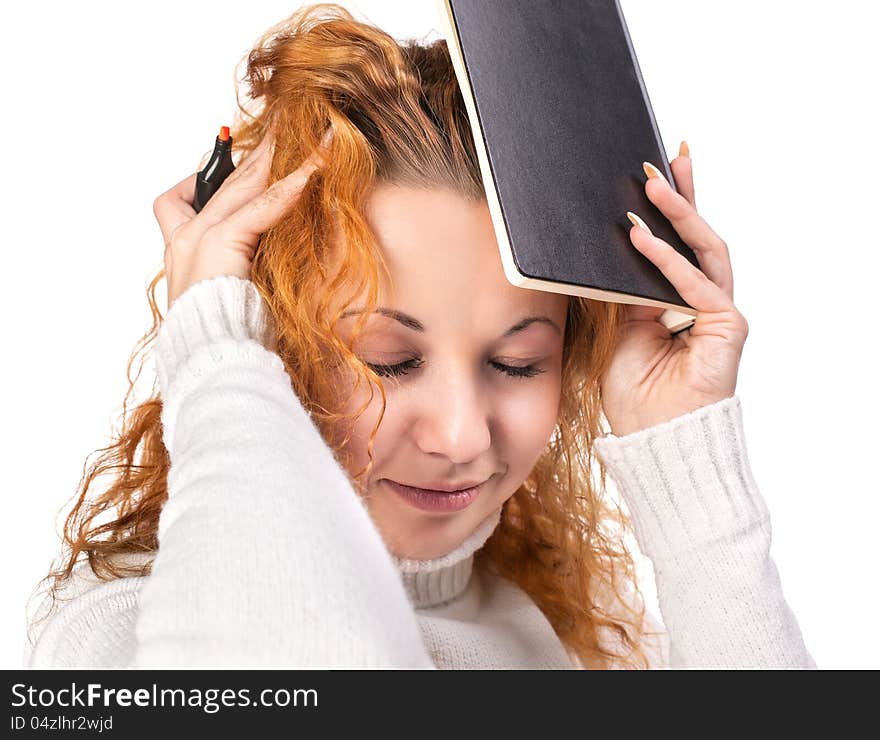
<point x="219" y="167"/>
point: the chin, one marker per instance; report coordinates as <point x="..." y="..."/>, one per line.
<point x="427" y="537"/>
<point x="423" y="552"/>
<point x="413" y="534"/>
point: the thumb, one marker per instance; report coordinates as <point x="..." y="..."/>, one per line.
<point x="174" y="207"/>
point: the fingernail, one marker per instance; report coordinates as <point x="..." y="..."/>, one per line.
<point x="638" y="222"/>
<point x="683" y="150"/>
<point x="652" y="171"/>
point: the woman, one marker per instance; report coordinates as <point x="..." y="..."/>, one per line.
<point x="271" y="508"/>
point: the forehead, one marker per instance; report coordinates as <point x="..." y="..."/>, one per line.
<point x="441" y="251"/>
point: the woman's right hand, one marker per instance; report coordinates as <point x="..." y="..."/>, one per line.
<point x="222" y="238"/>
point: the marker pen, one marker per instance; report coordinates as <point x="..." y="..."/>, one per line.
<point x="219" y="167"/>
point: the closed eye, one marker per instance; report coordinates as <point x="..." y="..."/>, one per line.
<point x="403" y="368"/>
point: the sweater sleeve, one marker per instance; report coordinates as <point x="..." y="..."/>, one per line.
<point x="699" y="516"/>
<point x="267" y="557"/>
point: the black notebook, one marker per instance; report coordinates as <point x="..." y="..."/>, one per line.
<point x="562" y="123"/>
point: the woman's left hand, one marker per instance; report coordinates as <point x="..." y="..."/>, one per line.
<point x="653" y="376"/>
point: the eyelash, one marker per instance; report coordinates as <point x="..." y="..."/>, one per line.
<point x="402" y="368"/>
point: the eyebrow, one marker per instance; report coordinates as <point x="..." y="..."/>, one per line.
<point x="412" y="323"/>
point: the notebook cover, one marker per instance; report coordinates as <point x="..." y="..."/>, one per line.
<point x="565" y="122"/>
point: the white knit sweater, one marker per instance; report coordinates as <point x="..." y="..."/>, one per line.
<point x="268" y="558"/>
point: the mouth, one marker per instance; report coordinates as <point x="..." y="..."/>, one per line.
<point x="428" y="499"/>
<point x="442" y="487"/>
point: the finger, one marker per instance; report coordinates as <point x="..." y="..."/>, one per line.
<point x="683" y="172"/>
<point x="267" y="144"/>
<point x="259" y="214"/>
<point x="174" y="207"/>
<point x="324" y="146"/>
<point x="268" y="141"/>
<point x="697" y="289"/>
<point x="242" y="186"/>
<point x="711" y="250"/>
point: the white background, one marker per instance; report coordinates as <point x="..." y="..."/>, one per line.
<point x="108" y="104"/>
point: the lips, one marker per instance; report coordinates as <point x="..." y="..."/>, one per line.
<point x="435" y="500"/>
<point x="442" y="487"/>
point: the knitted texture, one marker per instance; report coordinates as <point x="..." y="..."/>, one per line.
<point x="268" y="558"/>
<point x="431" y="582"/>
<point x="699" y="516"/>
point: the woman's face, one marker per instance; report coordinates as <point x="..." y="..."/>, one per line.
<point x="456" y="416"/>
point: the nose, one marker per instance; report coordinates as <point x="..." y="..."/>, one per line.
<point x="454" y="418"/>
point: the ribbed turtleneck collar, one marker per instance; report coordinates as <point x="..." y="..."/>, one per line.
<point x="432" y="582"/>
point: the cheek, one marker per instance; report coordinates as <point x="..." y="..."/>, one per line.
<point x="530" y="422"/>
<point x="528" y="418"/>
<point x="354" y="454"/>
